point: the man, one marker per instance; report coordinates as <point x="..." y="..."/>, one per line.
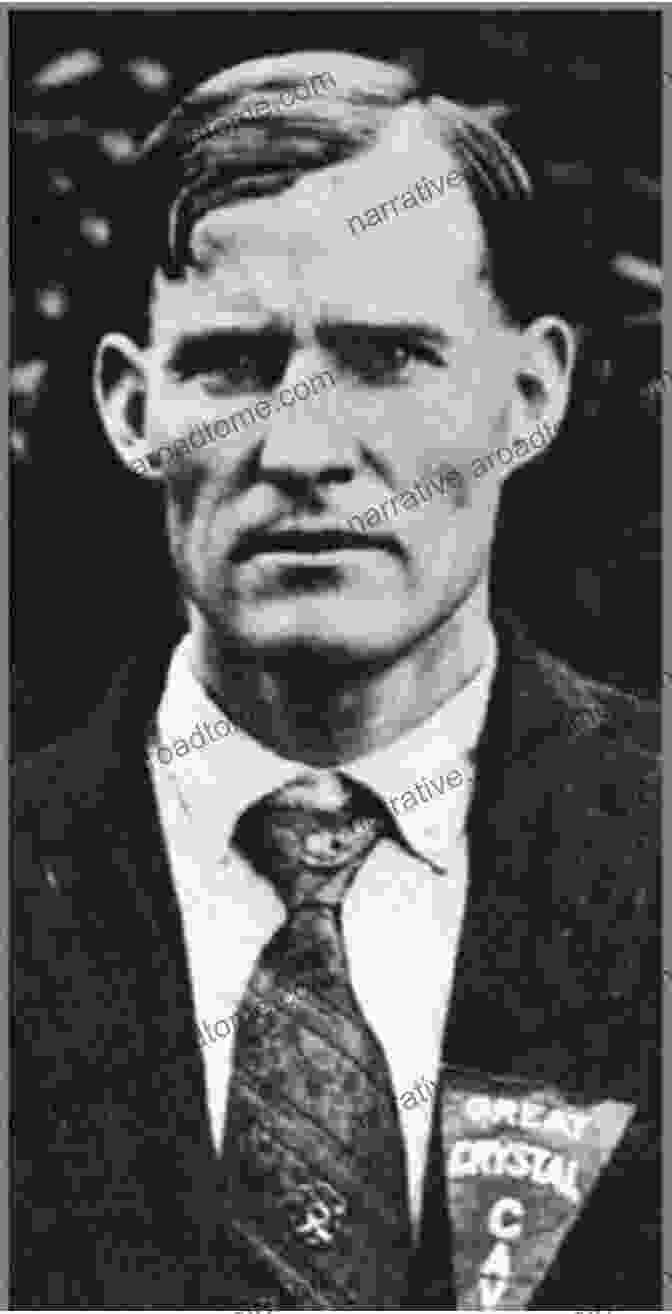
<point x="493" y="940"/>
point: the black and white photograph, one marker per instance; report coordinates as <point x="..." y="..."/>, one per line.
<point x="336" y="396"/>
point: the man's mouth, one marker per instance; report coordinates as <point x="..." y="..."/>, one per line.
<point x="311" y="543"/>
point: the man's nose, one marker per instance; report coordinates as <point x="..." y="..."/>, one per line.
<point x="310" y="440"/>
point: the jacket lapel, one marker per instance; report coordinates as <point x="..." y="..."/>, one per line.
<point x="105" y="861"/>
<point x="541" y="912"/>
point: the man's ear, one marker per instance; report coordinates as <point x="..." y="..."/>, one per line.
<point x="120" y="386"/>
<point x="544" y="376"/>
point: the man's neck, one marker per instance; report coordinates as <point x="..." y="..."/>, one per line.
<point x="308" y="710"/>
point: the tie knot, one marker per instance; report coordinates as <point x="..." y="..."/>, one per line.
<point x="311" y="836"/>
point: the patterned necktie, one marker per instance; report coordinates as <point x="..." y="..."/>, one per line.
<point x="313" y="1154"/>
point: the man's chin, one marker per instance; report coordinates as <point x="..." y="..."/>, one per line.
<point x="343" y="631"/>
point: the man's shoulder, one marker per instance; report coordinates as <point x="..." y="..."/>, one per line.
<point x="553" y="705"/>
<point x="41" y="776"/>
<point x="593" y="775"/>
<point x="76" y="775"/>
<point x="572" y="799"/>
<point x="574" y="761"/>
<point x="600" y="713"/>
<point x="607" y="779"/>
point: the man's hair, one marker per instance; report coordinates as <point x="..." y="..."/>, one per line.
<point x="204" y="155"/>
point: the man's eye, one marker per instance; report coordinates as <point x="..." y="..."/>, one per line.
<point x="232" y="376"/>
<point x="384" y="360"/>
<point x="389" y="361"/>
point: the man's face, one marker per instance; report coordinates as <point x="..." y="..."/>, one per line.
<point x="424" y="373"/>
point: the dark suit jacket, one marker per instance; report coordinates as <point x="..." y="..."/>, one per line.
<point x="117" y="1188"/>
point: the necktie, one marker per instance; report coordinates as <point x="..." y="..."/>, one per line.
<point x="313" y="1154"/>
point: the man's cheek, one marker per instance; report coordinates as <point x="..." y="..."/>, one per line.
<point x="175" y="415"/>
<point x="190" y="504"/>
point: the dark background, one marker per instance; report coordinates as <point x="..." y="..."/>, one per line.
<point x="577" y="91"/>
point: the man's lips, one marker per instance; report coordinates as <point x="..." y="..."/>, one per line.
<point x="308" y="542"/>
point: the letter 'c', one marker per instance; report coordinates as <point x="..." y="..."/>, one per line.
<point x="496" y="1225"/>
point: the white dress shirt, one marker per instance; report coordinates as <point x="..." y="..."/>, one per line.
<point x="401" y="917"/>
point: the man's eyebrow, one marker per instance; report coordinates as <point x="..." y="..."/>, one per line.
<point x="193" y="348"/>
<point x="418" y="330"/>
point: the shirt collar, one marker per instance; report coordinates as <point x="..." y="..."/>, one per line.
<point x="217" y="781"/>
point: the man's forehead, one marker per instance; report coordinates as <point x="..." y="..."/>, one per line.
<point x="295" y="250"/>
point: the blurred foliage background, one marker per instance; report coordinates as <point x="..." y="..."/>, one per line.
<point x="577" y="91"/>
